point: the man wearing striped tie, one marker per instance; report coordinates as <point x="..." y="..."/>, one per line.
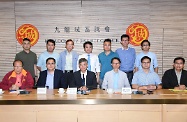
<point x="93" y="61"/>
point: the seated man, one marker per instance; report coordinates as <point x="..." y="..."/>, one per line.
<point x="145" y="78"/>
<point x="175" y="78"/>
<point x="115" y="79"/>
<point x="51" y="78"/>
<point x="84" y="79"/>
<point x="17" y="78"/>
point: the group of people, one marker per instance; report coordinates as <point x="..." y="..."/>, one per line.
<point x="122" y="68"/>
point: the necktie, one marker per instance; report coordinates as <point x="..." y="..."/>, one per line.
<point x="89" y="65"/>
<point x="83" y="80"/>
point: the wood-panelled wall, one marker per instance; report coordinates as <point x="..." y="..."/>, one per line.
<point x="165" y="19"/>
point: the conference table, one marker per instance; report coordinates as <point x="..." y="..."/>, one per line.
<point x="162" y="106"/>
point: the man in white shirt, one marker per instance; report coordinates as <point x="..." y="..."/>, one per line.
<point x="93" y="61"/>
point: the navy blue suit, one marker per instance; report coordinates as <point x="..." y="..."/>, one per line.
<point x="58" y="79"/>
<point x="91" y="82"/>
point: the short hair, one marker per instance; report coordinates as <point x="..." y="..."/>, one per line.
<point x="116" y="59"/>
<point x="51" y="40"/>
<point x="179" y="58"/>
<point x="145" y="41"/>
<point x="145" y="57"/>
<point x="83" y="60"/>
<point x="26" y="39"/>
<point x="17" y="61"/>
<point x="107" y="40"/>
<point x="50" y="58"/>
<point x="87" y="42"/>
<point x="70" y="40"/>
<point x="125" y="36"/>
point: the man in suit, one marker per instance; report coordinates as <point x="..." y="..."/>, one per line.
<point x="84" y="79"/>
<point x="51" y="78"/>
<point x="175" y="78"/>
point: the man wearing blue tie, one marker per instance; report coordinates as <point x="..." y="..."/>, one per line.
<point x="93" y="60"/>
<point x="84" y="79"/>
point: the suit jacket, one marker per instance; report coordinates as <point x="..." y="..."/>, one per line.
<point x="91" y="82"/>
<point x="58" y="79"/>
<point x="169" y="79"/>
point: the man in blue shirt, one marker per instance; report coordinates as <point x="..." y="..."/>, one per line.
<point x="145" y="45"/>
<point x="127" y="56"/>
<point x="68" y="61"/>
<point x="146" y="79"/>
<point x="105" y="59"/>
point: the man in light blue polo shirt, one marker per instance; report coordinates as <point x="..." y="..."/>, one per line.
<point x="145" y="78"/>
<point x="145" y="45"/>
<point x="50" y="45"/>
<point x="127" y="56"/>
<point x="105" y="59"/>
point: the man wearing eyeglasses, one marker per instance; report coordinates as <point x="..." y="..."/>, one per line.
<point x="51" y="78"/>
<point x="175" y="78"/>
<point x="145" y="45"/>
<point x="146" y="79"/>
<point x="115" y="79"/>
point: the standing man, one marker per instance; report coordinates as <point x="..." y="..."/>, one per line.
<point x="175" y="78"/>
<point x="68" y="61"/>
<point x="50" y="45"/>
<point x="105" y="59"/>
<point x="115" y="79"/>
<point x="93" y="60"/>
<point x="145" y="78"/>
<point x="28" y="58"/>
<point x="145" y="45"/>
<point x="127" y="56"/>
<point x="84" y="79"/>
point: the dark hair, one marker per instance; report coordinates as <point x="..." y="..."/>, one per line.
<point x="116" y="59"/>
<point x="50" y="40"/>
<point x="70" y="40"/>
<point x="50" y="58"/>
<point x="107" y="40"/>
<point x="145" y="41"/>
<point x="87" y="42"/>
<point x="26" y="39"/>
<point x="145" y="57"/>
<point x="125" y="36"/>
<point x="179" y="58"/>
<point x="17" y="61"/>
<point x="83" y="60"/>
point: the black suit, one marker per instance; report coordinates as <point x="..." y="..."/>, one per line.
<point x="91" y="82"/>
<point x="169" y="79"/>
<point x="58" y="79"/>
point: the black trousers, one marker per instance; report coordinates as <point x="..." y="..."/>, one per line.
<point x="130" y="76"/>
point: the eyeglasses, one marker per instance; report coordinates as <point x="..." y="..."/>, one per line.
<point x="50" y="63"/>
<point x="116" y="63"/>
<point x="145" y="62"/>
<point x="145" y="45"/>
<point x="179" y="63"/>
<point x="17" y="66"/>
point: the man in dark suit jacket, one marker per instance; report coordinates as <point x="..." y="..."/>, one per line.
<point x="175" y="78"/>
<point x="84" y="79"/>
<point x="53" y="78"/>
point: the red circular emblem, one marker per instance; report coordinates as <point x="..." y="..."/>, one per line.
<point x="137" y="32"/>
<point x="27" y="31"/>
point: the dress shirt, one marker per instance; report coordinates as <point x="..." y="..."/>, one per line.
<point x="50" y="80"/>
<point x="85" y="74"/>
<point x="127" y="57"/>
<point x="68" y="65"/>
<point x="151" y="55"/>
<point x="142" y="79"/>
<point x="178" y="74"/>
<point x="94" y="61"/>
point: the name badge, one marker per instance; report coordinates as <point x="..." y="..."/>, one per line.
<point x="71" y="91"/>
<point x="41" y="90"/>
<point x="126" y="90"/>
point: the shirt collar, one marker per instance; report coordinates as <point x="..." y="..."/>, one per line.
<point x="125" y="49"/>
